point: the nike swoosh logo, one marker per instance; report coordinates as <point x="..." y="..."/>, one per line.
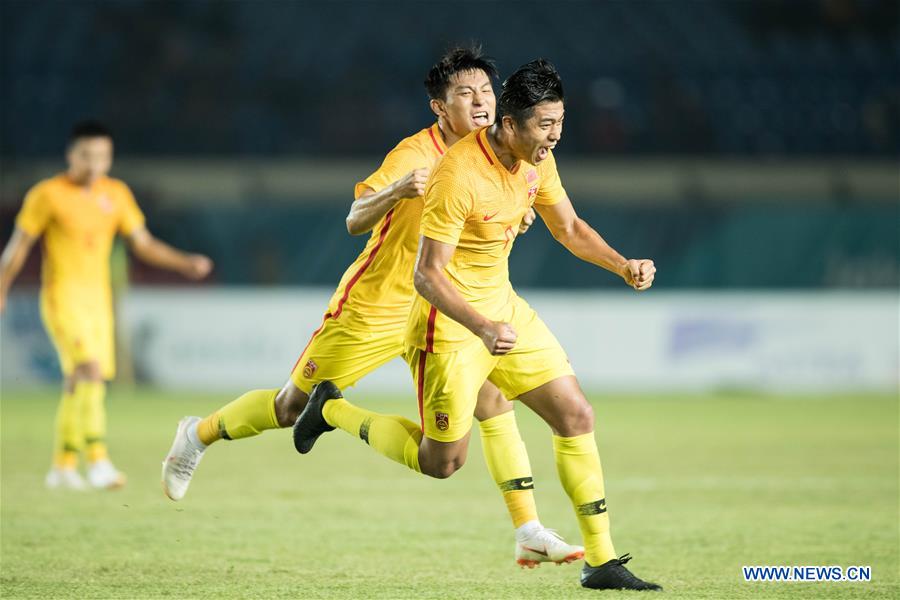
<point x="541" y="552"/>
<point x="489" y="217"/>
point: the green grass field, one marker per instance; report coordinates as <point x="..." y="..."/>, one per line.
<point x="697" y="487"/>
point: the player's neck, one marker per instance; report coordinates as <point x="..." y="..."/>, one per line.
<point x="447" y="134"/>
<point x="500" y="145"/>
<point x="85" y="183"/>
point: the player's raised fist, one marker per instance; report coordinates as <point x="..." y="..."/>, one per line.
<point x="499" y="337"/>
<point x="197" y="267"/>
<point x="527" y="221"/>
<point x="413" y="184"/>
<point x="639" y="273"/>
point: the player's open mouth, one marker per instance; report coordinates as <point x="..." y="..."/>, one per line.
<point x="544" y="151"/>
<point x="481" y="118"/>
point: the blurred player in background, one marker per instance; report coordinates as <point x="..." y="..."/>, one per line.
<point x="467" y="324"/>
<point x="364" y="326"/>
<point x="78" y="213"/>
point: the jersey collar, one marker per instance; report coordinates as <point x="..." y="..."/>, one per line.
<point x="435" y="133"/>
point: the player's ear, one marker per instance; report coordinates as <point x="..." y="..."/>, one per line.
<point x="507" y="123"/>
<point x="437" y="107"/>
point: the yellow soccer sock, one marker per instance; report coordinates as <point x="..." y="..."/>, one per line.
<point x="93" y="411"/>
<point x="390" y="435"/>
<point x="581" y="475"/>
<point x="69" y="434"/>
<point x="507" y="460"/>
<point x="249" y="415"/>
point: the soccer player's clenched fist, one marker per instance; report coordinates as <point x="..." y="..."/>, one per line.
<point x="413" y="184"/>
<point x="498" y="337"/>
<point x="639" y="273"/>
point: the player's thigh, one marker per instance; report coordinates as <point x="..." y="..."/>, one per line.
<point x="491" y="402"/>
<point x="68" y="331"/>
<point x="562" y="405"/>
<point x="536" y="359"/>
<point x="344" y="355"/>
<point x="447" y="386"/>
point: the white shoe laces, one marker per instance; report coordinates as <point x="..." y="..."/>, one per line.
<point x="185" y="464"/>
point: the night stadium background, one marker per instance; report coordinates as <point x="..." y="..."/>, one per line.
<point x="747" y="404"/>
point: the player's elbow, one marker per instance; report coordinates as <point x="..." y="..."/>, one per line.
<point x="420" y="279"/>
<point x="354" y="227"/>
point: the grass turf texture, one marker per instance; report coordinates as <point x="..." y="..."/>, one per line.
<point x="697" y="487"/>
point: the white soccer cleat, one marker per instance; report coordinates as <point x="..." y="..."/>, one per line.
<point x="65" y="479"/>
<point x="102" y="475"/>
<point x="182" y="461"/>
<point x="545" y="545"/>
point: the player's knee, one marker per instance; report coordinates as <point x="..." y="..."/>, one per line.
<point x="445" y="467"/>
<point x="289" y="403"/>
<point x="449" y="467"/>
<point x="88" y="371"/>
<point x="579" y="419"/>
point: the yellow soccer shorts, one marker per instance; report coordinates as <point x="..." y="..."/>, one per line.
<point x="447" y="383"/>
<point x="342" y="354"/>
<point x="81" y="330"/>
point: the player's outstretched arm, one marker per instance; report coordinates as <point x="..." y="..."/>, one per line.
<point x="580" y="239"/>
<point x="11" y="261"/>
<point x="159" y="254"/>
<point x="371" y="205"/>
<point x="433" y="285"/>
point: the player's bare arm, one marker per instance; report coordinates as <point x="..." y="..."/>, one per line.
<point x="14" y="255"/>
<point x="583" y="241"/>
<point x="371" y="205"/>
<point x="433" y="285"/>
<point x="157" y="253"/>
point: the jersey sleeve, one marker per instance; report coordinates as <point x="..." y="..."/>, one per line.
<point x="399" y="161"/>
<point x="131" y="218"/>
<point x="551" y="190"/>
<point x="36" y="211"/>
<point x="448" y="204"/>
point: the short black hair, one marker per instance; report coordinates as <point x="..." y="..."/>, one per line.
<point x="88" y="129"/>
<point x="457" y="60"/>
<point x="531" y="84"/>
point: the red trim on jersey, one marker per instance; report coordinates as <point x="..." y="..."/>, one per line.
<point x="365" y="265"/>
<point x="434" y="139"/>
<point x="429" y="332"/>
<point x="359" y="273"/>
<point x="420" y="388"/>
<point x="480" y="145"/>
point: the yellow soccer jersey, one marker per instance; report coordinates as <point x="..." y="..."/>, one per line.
<point x="78" y="227"/>
<point x="474" y="203"/>
<point x="376" y="291"/>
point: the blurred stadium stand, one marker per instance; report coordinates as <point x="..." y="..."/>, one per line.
<point x="770" y="77"/>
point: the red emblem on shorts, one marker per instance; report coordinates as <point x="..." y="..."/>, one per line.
<point x="442" y="420"/>
<point x="310" y="369"/>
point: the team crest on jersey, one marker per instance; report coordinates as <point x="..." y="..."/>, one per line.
<point x="442" y="420"/>
<point x="532" y="192"/>
<point x="531" y="176"/>
<point x="310" y="369"/>
<point x="104" y="203"/>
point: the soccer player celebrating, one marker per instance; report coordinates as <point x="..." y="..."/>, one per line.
<point x="365" y="324"/>
<point x="79" y="213"/>
<point x="467" y="324"/>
